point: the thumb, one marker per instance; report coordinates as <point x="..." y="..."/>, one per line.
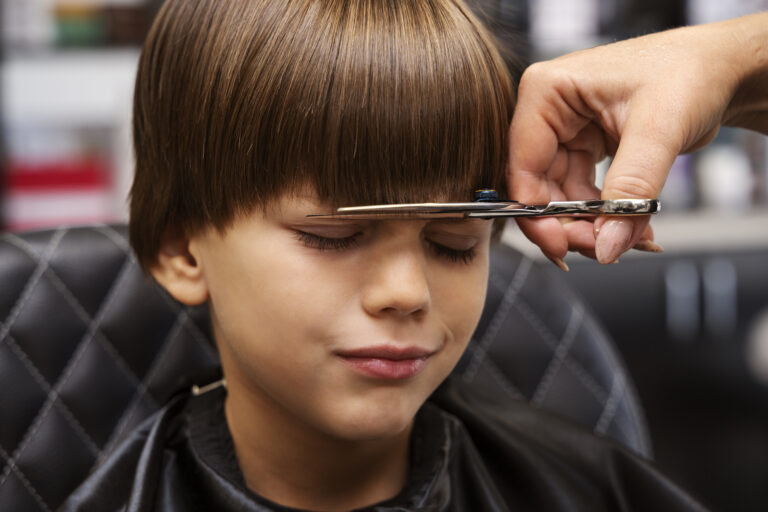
<point x="643" y="159"/>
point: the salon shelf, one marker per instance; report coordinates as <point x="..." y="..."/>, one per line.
<point x="68" y="87"/>
<point x="703" y="231"/>
<point x="53" y="104"/>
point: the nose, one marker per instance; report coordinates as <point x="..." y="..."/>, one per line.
<point x="397" y="283"/>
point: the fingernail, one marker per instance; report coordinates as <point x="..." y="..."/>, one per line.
<point x="598" y="225"/>
<point x="613" y="240"/>
<point x="561" y="264"/>
<point x="648" y="246"/>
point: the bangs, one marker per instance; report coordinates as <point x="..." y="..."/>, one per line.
<point x="375" y="102"/>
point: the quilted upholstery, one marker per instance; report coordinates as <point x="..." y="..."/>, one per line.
<point x="89" y="348"/>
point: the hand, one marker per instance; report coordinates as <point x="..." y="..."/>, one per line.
<point x="644" y="101"/>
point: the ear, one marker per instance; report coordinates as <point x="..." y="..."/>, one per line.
<point x="179" y="271"/>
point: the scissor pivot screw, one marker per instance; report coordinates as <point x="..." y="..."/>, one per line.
<point x="486" y="195"/>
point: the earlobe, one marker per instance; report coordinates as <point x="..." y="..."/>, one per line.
<point x="180" y="272"/>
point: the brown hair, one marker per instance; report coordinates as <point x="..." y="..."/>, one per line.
<point x="368" y="101"/>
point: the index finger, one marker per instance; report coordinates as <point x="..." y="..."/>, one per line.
<point x="532" y="150"/>
<point x="533" y="146"/>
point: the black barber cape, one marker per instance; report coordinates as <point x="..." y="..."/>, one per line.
<point x="467" y="454"/>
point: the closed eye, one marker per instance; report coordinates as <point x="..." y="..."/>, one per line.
<point x="322" y="243"/>
<point x="462" y="256"/>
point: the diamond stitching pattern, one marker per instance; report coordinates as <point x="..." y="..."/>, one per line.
<point x="41" y="272"/>
<point x="142" y="391"/>
<point x="549" y="339"/>
<point x="611" y="405"/>
<point x="610" y="401"/>
<point x="491" y="334"/>
<point x="27" y="485"/>
<point x="52" y="394"/>
<point x="495" y="372"/>
<point x="559" y="355"/>
<point x="26" y="293"/>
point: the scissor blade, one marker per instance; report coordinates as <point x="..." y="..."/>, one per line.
<point x="426" y="207"/>
<point x="390" y="215"/>
<point x="414" y="210"/>
<point x="496" y="209"/>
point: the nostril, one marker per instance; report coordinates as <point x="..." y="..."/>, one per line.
<point x="397" y="279"/>
<point x="411" y="306"/>
<point x="396" y="300"/>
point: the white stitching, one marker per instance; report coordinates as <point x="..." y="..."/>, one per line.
<point x="559" y="355"/>
<point x="53" y="395"/>
<point x="28" y="434"/>
<point x="93" y="331"/>
<point x="143" y="393"/>
<point x="42" y="265"/>
<point x="203" y="340"/>
<point x="497" y="320"/>
<point x="94" y="323"/>
<point x="90" y="334"/>
<point x="27" y="484"/>
<point x="548" y="338"/>
<point x="493" y="369"/>
<point x="632" y="401"/>
<point x="611" y="405"/>
<point x="117" y="238"/>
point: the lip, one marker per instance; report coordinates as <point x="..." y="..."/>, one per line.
<point x="387" y="361"/>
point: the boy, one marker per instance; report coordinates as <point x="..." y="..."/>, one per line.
<point x="249" y="116"/>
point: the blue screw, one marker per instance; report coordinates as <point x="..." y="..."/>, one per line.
<point x="486" y="195"/>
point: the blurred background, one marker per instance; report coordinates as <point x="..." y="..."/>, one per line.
<point x="692" y="323"/>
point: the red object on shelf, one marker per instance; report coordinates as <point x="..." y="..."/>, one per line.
<point x="45" y="194"/>
<point x="79" y="174"/>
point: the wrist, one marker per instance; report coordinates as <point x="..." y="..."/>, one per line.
<point x="748" y="107"/>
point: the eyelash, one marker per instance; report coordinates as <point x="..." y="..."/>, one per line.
<point x="464" y="257"/>
<point x="322" y="243"/>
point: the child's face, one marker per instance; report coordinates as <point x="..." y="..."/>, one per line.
<point x="313" y="315"/>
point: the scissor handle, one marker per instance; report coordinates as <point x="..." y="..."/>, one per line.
<point x="604" y="207"/>
<point x="586" y="207"/>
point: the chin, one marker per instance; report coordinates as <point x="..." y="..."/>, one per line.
<point x="373" y="421"/>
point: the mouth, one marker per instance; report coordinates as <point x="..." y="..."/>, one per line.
<point x="387" y="361"/>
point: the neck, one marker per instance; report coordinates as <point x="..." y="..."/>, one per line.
<point x="288" y="462"/>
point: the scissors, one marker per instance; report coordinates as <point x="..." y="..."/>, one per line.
<point x="487" y="206"/>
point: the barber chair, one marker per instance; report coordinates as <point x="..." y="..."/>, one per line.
<point x="89" y="348"/>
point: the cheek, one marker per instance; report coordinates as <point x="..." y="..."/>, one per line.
<point x="460" y="297"/>
<point x="279" y="297"/>
<point x="272" y="312"/>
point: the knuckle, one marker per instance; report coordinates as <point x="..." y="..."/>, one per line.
<point x="629" y="186"/>
<point x="549" y="73"/>
<point x="537" y="75"/>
